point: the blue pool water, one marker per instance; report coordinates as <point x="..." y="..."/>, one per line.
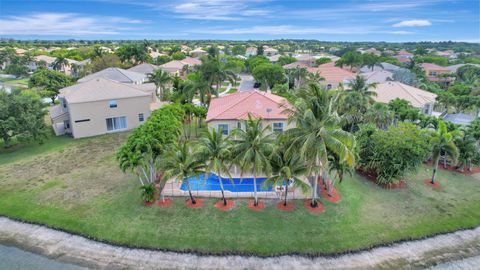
<point x="199" y="183"/>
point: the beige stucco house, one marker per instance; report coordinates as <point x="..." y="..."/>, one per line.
<point x="101" y="106"/>
<point x="418" y="98"/>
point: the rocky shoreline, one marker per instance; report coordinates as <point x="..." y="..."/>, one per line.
<point x="75" y="249"/>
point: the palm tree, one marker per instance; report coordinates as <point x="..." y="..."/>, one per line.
<point x="317" y="132"/>
<point x="340" y="169"/>
<point x="60" y="62"/>
<point x="315" y="77"/>
<point x="215" y="73"/>
<point x="252" y="149"/>
<point x="214" y="151"/>
<point x="97" y="52"/>
<point x="360" y="85"/>
<point x="353" y="107"/>
<point x="159" y="77"/>
<point x="182" y="164"/>
<point x="468" y="150"/>
<point x="287" y="170"/>
<point x="443" y="141"/>
<point x="299" y="75"/>
<point x="379" y="114"/>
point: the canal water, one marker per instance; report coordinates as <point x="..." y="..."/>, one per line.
<point x="12" y="258"/>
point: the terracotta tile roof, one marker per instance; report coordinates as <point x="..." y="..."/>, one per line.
<point x="239" y="105"/>
<point x="430" y="66"/>
<point x="331" y="73"/>
<point x="404" y="53"/>
<point x="391" y="90"/>
<point x="295" y="65"/>
<point x="191" y="61"/>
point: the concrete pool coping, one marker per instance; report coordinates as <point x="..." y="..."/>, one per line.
<point x="79" y="250"/>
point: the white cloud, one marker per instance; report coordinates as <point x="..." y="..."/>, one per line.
<point x="412" y="23"/>
<point x="224" y="10"/>
<point x="68" y="24"/>
<point x="293" y="30"/>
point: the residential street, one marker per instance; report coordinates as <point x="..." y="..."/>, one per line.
<point x="247" y="82"/>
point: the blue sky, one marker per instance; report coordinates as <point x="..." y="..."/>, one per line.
<point x="328" y="20"/>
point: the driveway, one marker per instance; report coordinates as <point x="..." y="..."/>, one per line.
<point x="247" y="82"/>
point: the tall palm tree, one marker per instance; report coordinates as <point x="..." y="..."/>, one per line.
<point x="215" y="73"/>
<point x="159" y="77"/>
<point x="317" y="132"/>
<point x="60" y="62"/>
<point x="287" y="170"/>
<point x="360" y="85"/>
<point x="443" y="141"/>
<point x="299" y="75"/>
<point x="252" y="149"/>
<point x="214" y="151"/>
<point x="182" y="164"/>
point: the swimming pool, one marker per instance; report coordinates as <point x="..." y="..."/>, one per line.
<point x="198" y="183"/>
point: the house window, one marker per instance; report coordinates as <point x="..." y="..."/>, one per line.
<point x="277" y="127"/>
<point x="433" y="73"/>
<point x="329" y="86"/>
<point x="112" y="103"/>
<point x="116" y="123"/>
<point x="239" y="125"/>
<point x="141" y="118"/>
<point x="64" y="103"/>
<point x="223" y="128"/>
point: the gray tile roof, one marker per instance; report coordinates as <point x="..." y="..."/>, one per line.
<point x="144" y="68"/>
<point x="116" y="74"/>
<point x="100" y="89"/>
<point x="385" y="66"/>
<point x="459" y="118"/>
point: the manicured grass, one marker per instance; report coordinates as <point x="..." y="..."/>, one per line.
<point x="76" y="185"/>
<point x="232" y="90"/>
<point x="18" y="81"/>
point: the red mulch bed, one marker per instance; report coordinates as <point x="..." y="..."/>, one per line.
<point x="334" y="198"/>
<point x="319" y="209"/>
<point x="189" y="204"/>
<point x="148" y="203"/>
<point x="373" y="178"/>
<point x="455" y="168"/>
<point x="290" y="206"/>
<point x="259" y="207"/>
<point x="165" y="203"/>
<point x="219" y="205"/>
<point x="428" y="182"/>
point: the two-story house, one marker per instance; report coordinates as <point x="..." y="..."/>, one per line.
<point x="101" y="106"/>
<point x="436" y="73"/>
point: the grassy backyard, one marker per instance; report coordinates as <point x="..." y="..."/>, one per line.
<point x="76" y="185"/>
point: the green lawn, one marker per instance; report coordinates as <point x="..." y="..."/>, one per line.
<point x="76" y="185"/>
<point x="19" y="81"/>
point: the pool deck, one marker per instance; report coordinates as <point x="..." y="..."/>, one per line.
<point x="172" y="189"/>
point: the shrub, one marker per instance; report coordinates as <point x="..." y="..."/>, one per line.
<point x="148" y="192"/>
<point x="392" y="154"/>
